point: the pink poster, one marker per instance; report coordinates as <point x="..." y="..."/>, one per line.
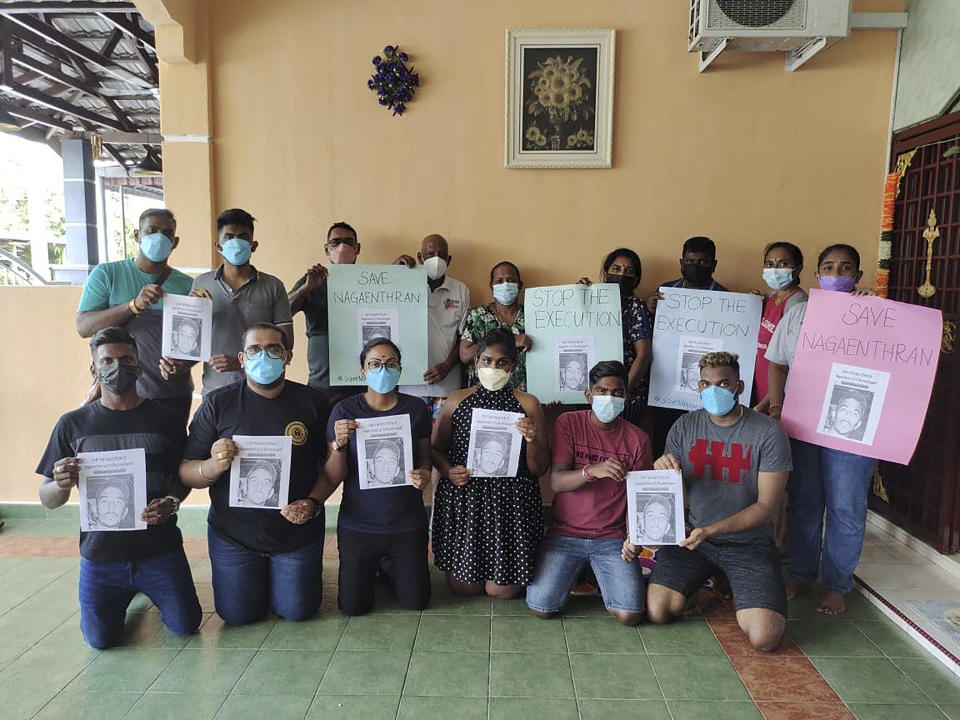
<point x="862" y="375"/>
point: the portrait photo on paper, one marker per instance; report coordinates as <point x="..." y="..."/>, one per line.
<point x="385" y="466"/>
<point x="847" y="414"/>
<point x="655" y="518"/>
<point x="492" y="453"/>
<point x="369" y="332"/>
<point x="573" y="371"/>
<point x="689" y="376"/>
<point x="110" y="502"/>
<point x="187" y="335"/>
<point x="259" y="483"/>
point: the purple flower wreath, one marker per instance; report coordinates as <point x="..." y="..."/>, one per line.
<point x="393" y="81"/>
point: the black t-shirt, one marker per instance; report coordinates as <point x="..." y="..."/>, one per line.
<point x="299" y="411"/>
<point x="380" y="510"/>
<point x="151" y="426"/>
<point x="314" y="308"/>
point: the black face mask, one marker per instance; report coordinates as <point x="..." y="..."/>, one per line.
<point x="695" y="274"/>
<point x="118" y="378"/>
<point x="627" y="283"/>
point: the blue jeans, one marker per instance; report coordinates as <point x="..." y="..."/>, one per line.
<point x="106" y="590"/>
<point x="246" y="583"/>
<point x="562" y="558"/>
<point x="836" y="483"/>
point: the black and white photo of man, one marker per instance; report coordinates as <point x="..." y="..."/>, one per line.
<point x="655" y="519"/>
<point x="186" y="335"/>
<point x="259" y="483"/>
<point x="848" y="413"/>
<point x="109" y="501"/>
<point x="369" y="332"/>
<point x="492" y="455"/>
<point x="385" y="463"/>
<point x="690" y="372"/>
<point x="573" y="372"/>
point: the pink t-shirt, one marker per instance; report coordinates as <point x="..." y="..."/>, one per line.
<point x="597" y="509"/>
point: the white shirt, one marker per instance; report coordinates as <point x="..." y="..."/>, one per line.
<point x="447" y="313"/>
<point x="783" y="344"/>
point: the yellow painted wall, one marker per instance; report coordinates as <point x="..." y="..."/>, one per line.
<point x="744" y="153"/>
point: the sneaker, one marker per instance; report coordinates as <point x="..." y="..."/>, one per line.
<point x="584" y="588"/>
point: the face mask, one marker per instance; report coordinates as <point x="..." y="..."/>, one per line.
<point x="838" y="283"/>
<point x="156" y="247"/>
<point x="118" y="378"/>
<point x="383" y="380"/>
<point x="627" y="284"/>
<point x="436" y="267"/>
<point x="493" y="379"/>
<point x="607" y="408"/>
<point x="696" y="274"/>
<point x="506" y="293"/>
<point x="777" y="278"/>
<point x="717" y="401"/>
<point x="263" y="369"/>
<point x="236" y="251"/>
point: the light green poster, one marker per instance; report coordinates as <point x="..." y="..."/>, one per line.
<point x="572" y="328"/>
<point x="368" y="301"/>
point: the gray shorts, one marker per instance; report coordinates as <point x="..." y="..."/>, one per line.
<point x="751" y="566"/>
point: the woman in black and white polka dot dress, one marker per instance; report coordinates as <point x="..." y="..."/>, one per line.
<point x="486" y="530"/>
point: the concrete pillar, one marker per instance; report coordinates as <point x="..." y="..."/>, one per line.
<point x="80" y="211"/>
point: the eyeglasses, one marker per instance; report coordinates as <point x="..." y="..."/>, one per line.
<point x="275" y="351"/>
<point x="336" y="242"/>
<point x="376" y="365"/>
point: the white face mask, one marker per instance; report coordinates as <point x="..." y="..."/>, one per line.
<point x="436" y="267"/>
<point x="493" y="379"/>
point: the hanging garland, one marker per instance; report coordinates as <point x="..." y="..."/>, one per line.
<point x="890" y="188"/>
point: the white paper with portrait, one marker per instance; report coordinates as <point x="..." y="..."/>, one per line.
<point x="655" y="507"/>
<point x="384" y="452"/>
<point x="378" y="324"/>
<point x="113" y="490"/>
<point x="494" y="447"/>
<point x="260" y="472"/>
<point x="853" y="403"/>
<point x="573" y="358"/>
<point x="187" y="327"/>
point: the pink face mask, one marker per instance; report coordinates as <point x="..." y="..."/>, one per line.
<point x="838" y="283"/>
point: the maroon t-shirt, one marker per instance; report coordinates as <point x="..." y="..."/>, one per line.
<point x="597" y="509"/>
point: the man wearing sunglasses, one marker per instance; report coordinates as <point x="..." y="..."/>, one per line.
<point x="309" y="294"/>
<point x="262" y="558"/>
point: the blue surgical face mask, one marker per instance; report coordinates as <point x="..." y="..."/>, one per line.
<point x="607" y="408"/>
<point x="156" y="247"/>
<point x="263" y="369"/>
<point x="383" y="380"/>
<point x="778" y="278"/>
<point x="236" y="251"/>
<point x="506" y="293"/>
<point x="717" y="401"/>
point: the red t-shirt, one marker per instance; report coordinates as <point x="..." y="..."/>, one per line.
<point x="597" y="509"/>
<point x="772" y="315"/>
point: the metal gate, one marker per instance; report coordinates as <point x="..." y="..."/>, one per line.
<point x="924" y="497"/>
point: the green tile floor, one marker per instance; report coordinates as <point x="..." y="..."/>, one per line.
<point x="460" y="659"/>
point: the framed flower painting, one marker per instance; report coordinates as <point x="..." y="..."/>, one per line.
<point x="559" y="98"/>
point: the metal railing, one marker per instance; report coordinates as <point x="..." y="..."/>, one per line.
<point x="14" y="272"/>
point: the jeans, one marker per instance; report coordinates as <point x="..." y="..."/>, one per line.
<point x="106" y="590"/>
<point x="563" y="557"/>
<point x="835" y="482"/>
<point x="246" y="584"/>
<point x="362" y="554"/>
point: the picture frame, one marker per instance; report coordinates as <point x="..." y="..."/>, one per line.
<point x="559" y="97"/>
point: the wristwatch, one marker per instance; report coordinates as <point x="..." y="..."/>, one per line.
<point x="317" y="505"/>
<point x="176" y="503"/>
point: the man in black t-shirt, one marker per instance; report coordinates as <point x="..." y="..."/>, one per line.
<point x="262" y="557"/>
<point x="115" y="566"/>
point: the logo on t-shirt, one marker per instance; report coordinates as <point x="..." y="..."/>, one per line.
<point x="451" y="304"/>
<point x="297" y="432"/>
<point x="723" y="468"/>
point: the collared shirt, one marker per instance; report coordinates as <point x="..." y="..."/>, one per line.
<point x="262" y="298"/>
<point x="448" y="307"/>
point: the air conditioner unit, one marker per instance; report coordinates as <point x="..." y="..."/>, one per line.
<point x="790" y="26"/>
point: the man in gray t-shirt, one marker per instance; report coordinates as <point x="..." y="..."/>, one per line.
<point x="735" y="464"/>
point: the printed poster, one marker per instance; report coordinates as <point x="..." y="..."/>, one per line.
<point x="862" y="374"/>
<point x="113" y="490"/>
<point x="260" y="473"/>
<point x="494" y="446"/>
<point x="655" y="507"/>
<point x="384" y="452"/>
<point x="689" y="324"/>
<point x="187" y="327"/>
<point x="572" y="328"/>
<point x="367" y="301"/>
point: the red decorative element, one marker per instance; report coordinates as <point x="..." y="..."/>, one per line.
<point x="726" y="468"/>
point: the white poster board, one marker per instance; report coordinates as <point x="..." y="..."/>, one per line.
<point x="187" y="327"/>
<point x="113" y="490"/>
<point x="655" y="507"/>
<point x="494" y="446"/>
<point x="260" y="473"/>
<point x="384" y="452"/>
<point x="688" y="325"/>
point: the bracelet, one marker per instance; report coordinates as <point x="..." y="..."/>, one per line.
<point x="317" y="505"/>
<point x="200" y="469"/>
<point x="340" y="448"/>
<point x="771" y="406"/>
<point x="176" y="503"/>
<point x="133" y="307"/>
<point x="587" y="477"/>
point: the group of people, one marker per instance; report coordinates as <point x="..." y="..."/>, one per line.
<point x="486" y="533"/>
